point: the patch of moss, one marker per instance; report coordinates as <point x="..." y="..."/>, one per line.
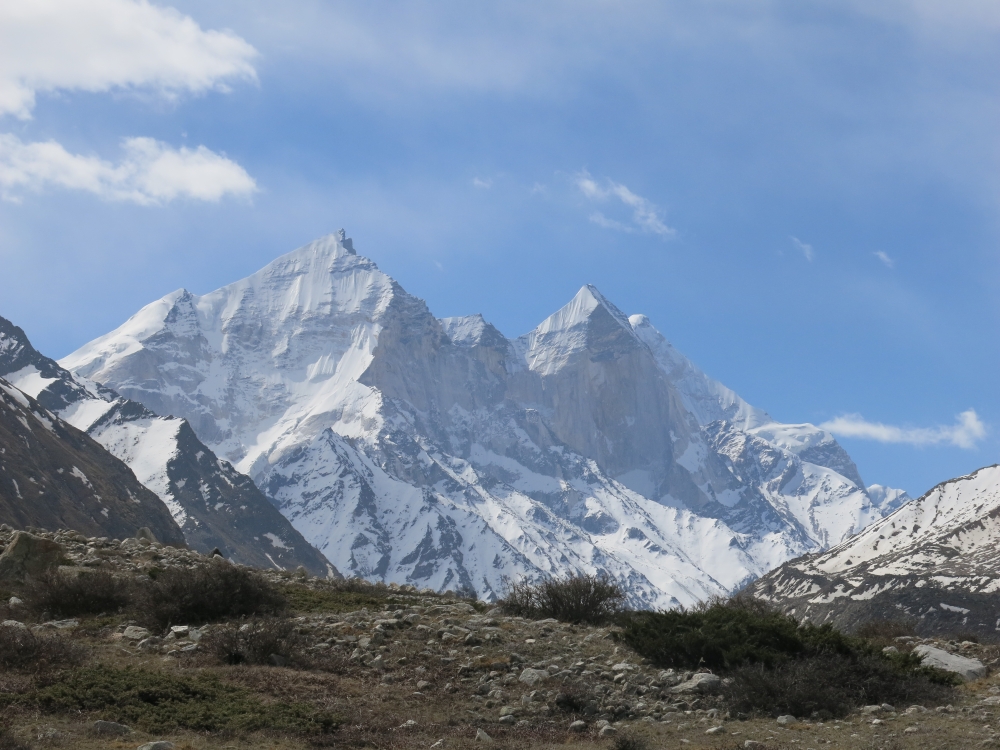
<point x="158" y="702"/>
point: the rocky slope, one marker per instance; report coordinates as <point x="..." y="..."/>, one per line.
<point x="53" y="476"/>
<point x="214" y="505"/>
<point x="934" y="562"/>
<point x="439" y="452"/>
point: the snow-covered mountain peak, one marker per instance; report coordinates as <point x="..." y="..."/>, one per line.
<point x="411" y="448"/>
<point x="587" y="321"/>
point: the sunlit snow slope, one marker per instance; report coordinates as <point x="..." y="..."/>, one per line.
<point x="935" y="561"/>
<point x="439" y="452"/>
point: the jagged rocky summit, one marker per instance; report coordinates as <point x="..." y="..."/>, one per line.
<point x="150" y="459"/>
<point x="934" y="563"/>
<point x="438" y="452"/>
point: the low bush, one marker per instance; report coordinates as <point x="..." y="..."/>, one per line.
<point x="9" y="742"/>
<point x="333" y="598"/>
<point x="159" y="702"/>
<point x="725" y="635"/>
<point x="629" y="741"/>
<point x="219" y="590"/>
<point x="828" y="685"/>
<point x="258" y="641"/>
<point x="85" y="593"/>
<point x="884" y="630"/>
<point x="24" y="651"/>
<point x="577" y="599"/>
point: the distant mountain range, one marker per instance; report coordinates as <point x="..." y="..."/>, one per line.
<point x="935" y="563"/>
<point x="212" y="504"/>
<point x="441" y="453"/>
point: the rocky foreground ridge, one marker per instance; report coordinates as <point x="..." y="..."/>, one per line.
<point x="412" y="668"/>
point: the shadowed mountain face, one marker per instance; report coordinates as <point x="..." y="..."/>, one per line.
<point x="214" y="505"/>
<point x="53" y="476"/>
<point x="933" y="562"/>
<point x="441" y="453"/>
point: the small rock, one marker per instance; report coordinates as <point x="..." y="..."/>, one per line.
<point x="135" y="633"/>
<point x="408" y="724"/>
<point x="607" y="731"/>
<point x="111" y="728"/>
<point x="508" y="719"/>
<point x="158" y="745"/>
<point x="753" y="744"/>
<point x="532" y="677"/>
<point x="715" y="730"/>
<point x="890" y="650"/>
<point x="439" y="743"/>
<point x="180" y="631"/>
<point x="13" y="624"/>
<point x="869" y="710"/>
<point x="786" y="719"/>
<point x="14" y="602"/>
<point x="422" y="684"/>
<point x="578" y="726"/>
<point x="481" y="736"/>
<point x="152" y="643"/>
<point x="910" y="730"/>
<point x="507" y="711"/>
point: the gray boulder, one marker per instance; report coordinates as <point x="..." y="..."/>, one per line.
<point x="702" y="682"/>
<point x="966" y="668"/>
<point x="28" y="556"/>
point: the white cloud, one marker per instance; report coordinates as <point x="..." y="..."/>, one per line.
<point x="100" y="45"/>
<point x="484" y="184"/>
<point x="151" y="172"/>
<point x="807" y="249"/>
<point x="645" y="215"/>
<point x="965" y="433"/>
<point x="884" y="257"/>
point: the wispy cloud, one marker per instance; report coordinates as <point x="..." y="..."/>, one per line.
<point x="965" y="433"/>
<point x="645" y="215"/>
<point x="483" y="183"/>
<point x="150" y="173"/>
<point x="100" y="45"/>
<point x="886" y="260"/>
<point x="806" y="248"/>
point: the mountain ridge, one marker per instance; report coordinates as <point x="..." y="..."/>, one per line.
<point x="440" y="452"/>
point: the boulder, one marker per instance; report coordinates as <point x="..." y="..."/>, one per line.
<point x="111" y="728"/>
<point x="963" y="666"/>
<point x="28" y="556"/>
<point x="702" y="682"/>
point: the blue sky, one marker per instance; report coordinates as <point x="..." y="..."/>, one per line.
<point x="803" y="196"/>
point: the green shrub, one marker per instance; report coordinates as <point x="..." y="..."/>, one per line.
<point x="24" y="651"/>
<point x="725" y="635"/>
<point x="577" y="599"/>
<point x="258" y="641"/>
<point x="9" y="742"/>
<point x="219" y="590"/>
<point x="85" y="593"/>
<point x="827" y="685"/>
<point x="159" y="702"/>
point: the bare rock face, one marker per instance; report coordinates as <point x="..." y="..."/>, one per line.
<point x="28" y="556"/>
<point x="54" y="476"/>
